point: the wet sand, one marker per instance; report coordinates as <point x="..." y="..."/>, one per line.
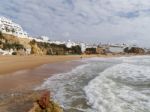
<point x="30" y="78"/>
<point x="16" y="89"/>
<point x="9" y="64"/>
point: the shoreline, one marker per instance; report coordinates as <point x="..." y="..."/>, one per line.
<point x="28" y="79"/>
<point x="17" y="88"/>
<point x="30" y="71"/>
<point x="10" y="64"/>
<point x="25" y="72"/>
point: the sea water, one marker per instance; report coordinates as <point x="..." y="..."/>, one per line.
<point x="104" y="85"/>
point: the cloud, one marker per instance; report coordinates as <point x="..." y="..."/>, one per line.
<point x="84" y="20"/>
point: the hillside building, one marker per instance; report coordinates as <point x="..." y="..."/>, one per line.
<point x="9" y="27"/>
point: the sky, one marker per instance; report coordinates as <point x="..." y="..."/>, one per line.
<point x="93" y="21"/>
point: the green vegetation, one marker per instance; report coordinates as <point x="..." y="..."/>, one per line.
<point x="14" y="46"/>
<point x="5" y="45"/>
<point x="91" y="51"/>
<point x="74" y="50"/>
<point x="37" y="48"/>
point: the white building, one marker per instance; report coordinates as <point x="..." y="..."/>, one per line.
<point x="91" y="46"/>
<point x="9" y="27"/>
<point x="45" y="38"/>
<point x="69" y="44"/>
<point x="83" y="47"/>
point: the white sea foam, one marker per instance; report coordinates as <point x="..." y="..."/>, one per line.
<point x="105" y="84"/>
<point x="121" y="88"/>
<point x="66" y="86"/>
<point x="145" y="60"/>
<point x="99" y="59"/>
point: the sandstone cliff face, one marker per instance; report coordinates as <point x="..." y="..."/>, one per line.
<point x="36" y="50"/>
<point x="23" y="46"/>
<point x="13" y="39"/>
<point x="43" y="48"/>
<point x="10" y="38"/>
<point x="12" y="44"/>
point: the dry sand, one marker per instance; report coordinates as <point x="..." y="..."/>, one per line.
<point x="18" y="73"/>
<point x="10" y="64"/>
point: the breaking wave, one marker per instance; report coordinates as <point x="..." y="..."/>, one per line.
<point x="121" y="88"/>
<point x="104" y="85"/>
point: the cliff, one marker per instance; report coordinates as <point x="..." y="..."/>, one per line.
<point x="43" y="48"/>
<point x="24" y="46"/>
<point x="13" y="44"/>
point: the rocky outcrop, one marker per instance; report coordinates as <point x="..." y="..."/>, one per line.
<point x="25" y="46"/>
<point x="36" y="50"/>
<point x="53" y="49"/>
<point x="134" y="50"/>
<point x="44" y="104"/>
<point x="12" y="44"/>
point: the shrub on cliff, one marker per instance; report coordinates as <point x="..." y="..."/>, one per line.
<point x="32" y="42"/>
<point x="14" y="46"/>
<point x="76" y="49"/>
<point x="90" y="51"/>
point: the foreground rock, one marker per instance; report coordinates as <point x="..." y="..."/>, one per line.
<point x="44" y="104"/>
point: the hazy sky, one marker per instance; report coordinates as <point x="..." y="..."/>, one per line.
<point x="85" y="20"/>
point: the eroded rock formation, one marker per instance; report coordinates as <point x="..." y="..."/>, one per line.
<point x="45" y="104"/>
<point x="135" y="50"/>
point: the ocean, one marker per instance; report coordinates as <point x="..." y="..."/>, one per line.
<point x="119" y="84"/>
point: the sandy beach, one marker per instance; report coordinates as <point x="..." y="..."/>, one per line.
<point x="20" y="74"/>
<point x="9" y="64"/>
<point x="24" y="72"/>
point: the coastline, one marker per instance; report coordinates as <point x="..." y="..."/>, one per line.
<point x="10" y="64"/>
<point x="24" y="80"/>
<point x="17" y="88"/>
<point x="20" y="73"/>
<point x="28" y="72"/>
